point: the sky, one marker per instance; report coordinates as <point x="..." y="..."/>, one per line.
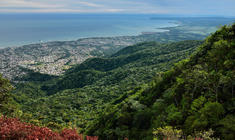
<point x="170" y="7"/>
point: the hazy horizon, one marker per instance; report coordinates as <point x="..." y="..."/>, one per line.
<point x="149" y="14"/>
<point x="22" y="29"/>
<point x="163" y="7"/>
<point x="31" y="21"/>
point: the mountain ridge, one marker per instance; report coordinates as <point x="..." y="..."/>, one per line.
<point x="183" y="98"/>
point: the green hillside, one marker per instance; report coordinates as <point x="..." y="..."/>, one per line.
<point x="196" y="95"/>
<point x="81" y="94"/>
<point x="143" y="92"/>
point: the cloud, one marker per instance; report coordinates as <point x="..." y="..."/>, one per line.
<point x="60" y="10"/>
<point x="186" y="7"/>
<point x="89" y="4"/>
<point x="26" y="4"/>
<point x="62" y="6"/>
<point x="47" y="10"/>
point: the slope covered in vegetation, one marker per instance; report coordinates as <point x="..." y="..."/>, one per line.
<point x="13" y="128"/>
<point x="197" y="94"/>
<point x="194" y="96"/>
<point x="81" y="94"/>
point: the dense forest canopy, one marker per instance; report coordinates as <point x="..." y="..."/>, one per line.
<point x="81" y="94"/>
<point x="196" y="95"/>
<point x="7" y="105"/>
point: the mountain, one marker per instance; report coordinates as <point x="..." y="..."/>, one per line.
<point x="80" y="95"/>
<point x="194" y="98"/>
<point x="114" y="97"/>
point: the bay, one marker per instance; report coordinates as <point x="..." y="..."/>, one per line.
<point x="21" y="29"/>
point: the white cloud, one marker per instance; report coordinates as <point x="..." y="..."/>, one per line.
<point x="61" y="10"/>
<point x="61" y="6"/>
<point x="121" y="6"/>
<point x="39" y="10"/>
<point x="26" y="4"/>
<point x="89" y="4"/>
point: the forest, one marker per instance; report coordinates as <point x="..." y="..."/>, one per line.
<point x="147" y="91"/>
<point x="77" y="97"/>
<point x="195" y="97"/>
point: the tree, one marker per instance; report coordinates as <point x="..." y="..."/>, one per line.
<point x="5" y="88"/>
<point x="227" y="127"/>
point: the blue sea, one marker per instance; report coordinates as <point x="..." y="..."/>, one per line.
<point x="21" y="29"/>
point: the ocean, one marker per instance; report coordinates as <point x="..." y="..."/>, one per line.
<point x="21" y="29"/>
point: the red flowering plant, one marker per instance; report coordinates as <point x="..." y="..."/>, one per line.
<point x="12" y="128"/>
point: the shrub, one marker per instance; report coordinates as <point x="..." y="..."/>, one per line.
<point x="12" y="128"/>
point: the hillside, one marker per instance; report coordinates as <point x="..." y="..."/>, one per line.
<point x="55" y="57"/>
<point x="196" y="95"/>
<point x="118" y="99"/>
<point x="78" y="96"/>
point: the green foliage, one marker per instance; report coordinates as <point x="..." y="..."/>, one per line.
<point x="197" y="104"/>
<point x="174" y="115"/>
<point x="8" y="106"/>
<point x="34" y="76"/>
<point x="81" y="94"/>
<point x="74" y="80"/>
<point x="5" y="88"/>
<point x="212" y="112"/>
<point x="227" y="127"/>
<point x="168" y="132"/>
<point x="195" y="95"/>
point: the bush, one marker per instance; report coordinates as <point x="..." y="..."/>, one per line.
<point x="12" y="128"/>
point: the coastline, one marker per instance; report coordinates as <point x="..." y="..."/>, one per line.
<point x="159" y="30"/>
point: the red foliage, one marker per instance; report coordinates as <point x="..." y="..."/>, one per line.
<point x="11" y="128"/>
<point x="71" y="134"/>
<point x="91" y="138"/>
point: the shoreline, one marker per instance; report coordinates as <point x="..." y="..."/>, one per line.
<point x="161" y="30"/>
